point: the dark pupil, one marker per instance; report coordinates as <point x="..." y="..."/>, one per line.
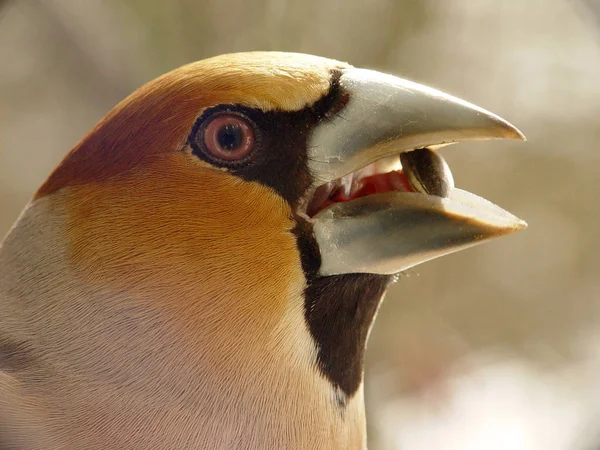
<point x="230" y="137"/>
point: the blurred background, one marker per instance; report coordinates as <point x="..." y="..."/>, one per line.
<point x="497" y="347"/>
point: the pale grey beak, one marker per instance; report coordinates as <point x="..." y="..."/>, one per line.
<point x="386" y="233"/>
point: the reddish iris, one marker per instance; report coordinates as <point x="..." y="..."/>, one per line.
<point x="229" y="137"/>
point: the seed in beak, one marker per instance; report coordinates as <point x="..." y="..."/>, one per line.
<point x="427" y="172"/>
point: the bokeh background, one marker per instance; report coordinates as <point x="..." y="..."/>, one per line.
<point x="497" y="347"/>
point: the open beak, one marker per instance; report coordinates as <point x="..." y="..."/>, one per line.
<point x="383" y="199"/>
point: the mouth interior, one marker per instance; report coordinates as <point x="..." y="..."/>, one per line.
<point x="385" y="175"/>
<point x="421" y="171"/>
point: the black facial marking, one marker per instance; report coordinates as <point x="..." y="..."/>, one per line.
<point x="310" y="256"/>
<point x="279" y="159"/>
<point x="339" y="309"/>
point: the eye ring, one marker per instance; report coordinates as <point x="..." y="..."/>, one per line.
<point x="227" y="137"/>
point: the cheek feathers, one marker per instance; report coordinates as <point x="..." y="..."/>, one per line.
<point x="173" y="230"/>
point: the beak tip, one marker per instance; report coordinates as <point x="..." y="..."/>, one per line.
<point x="517" y="134"/>
<point x="521" y="225"/>
<point x="515" y="225"/>
<point x="507" y="129"/>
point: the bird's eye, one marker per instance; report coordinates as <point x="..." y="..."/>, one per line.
<point x="228" y="137"/>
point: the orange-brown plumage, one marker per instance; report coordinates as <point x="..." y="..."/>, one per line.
<point x="166" y="241"/>
<point x="157" y="117"/>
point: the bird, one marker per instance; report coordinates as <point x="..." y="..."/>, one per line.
<point x="203" y="269"/>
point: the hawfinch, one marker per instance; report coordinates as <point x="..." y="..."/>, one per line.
<point x="202" y="270"/>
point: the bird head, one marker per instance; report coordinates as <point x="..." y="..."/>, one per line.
<point x="256" y="196"/>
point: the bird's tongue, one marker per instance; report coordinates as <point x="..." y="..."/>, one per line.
<point x="373" y="184"/>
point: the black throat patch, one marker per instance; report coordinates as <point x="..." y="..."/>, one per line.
<point x="339" y="311"/>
